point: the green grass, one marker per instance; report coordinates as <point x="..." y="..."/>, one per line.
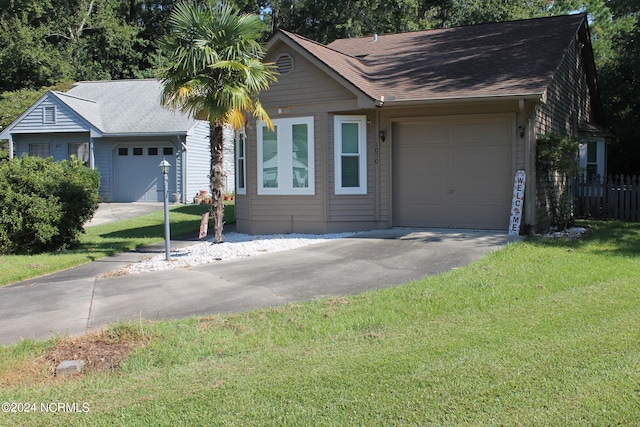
<point x="108" y="239"/>
<point x="542" y="332"/>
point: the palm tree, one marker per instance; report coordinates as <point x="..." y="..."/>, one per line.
<point x="215" y="74"/>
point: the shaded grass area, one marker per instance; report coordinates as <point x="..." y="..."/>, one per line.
<point x="109" y="239"/>
<point x="542" y="332"/>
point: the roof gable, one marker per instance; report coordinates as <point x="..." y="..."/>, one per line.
<point x="33" y="120"/>
<point x="517" y="58"/>
<point x="87" y="109"/>
<point x="343" y="68"/>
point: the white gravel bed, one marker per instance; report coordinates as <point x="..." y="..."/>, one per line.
<point x="235" y="245"/>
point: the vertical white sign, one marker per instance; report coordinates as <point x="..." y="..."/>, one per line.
<point x="517" y="203"/>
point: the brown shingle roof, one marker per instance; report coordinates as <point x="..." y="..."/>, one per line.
<point x="499" y="59"/>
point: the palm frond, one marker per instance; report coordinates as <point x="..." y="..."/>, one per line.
<point x="215" y="72"/>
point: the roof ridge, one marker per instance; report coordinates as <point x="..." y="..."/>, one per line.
<point x="116" y="80"/>
<point x="73" y="96"/>
<point x="537" y="18"/>
<point x="294" y="36"/>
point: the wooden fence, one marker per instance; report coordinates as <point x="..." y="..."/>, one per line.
<point x="617" y="197"/>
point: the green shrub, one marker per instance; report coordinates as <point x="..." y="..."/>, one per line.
<point x="557" y="161"/>
<point x="44" y="204"/>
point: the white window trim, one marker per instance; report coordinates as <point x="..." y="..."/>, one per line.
<point x="285" y="162"/>
<point x="362" y="153"/>
<point x="241" y="139"/>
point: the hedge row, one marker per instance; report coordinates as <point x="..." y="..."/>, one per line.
<point x="44" y="204"/>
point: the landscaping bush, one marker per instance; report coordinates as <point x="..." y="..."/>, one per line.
<point x="44" y="204"/>
<point x="557" y="161"/>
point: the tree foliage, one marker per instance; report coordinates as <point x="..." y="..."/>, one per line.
<point x="48" y="41"/>
<point x="44" y="204"/>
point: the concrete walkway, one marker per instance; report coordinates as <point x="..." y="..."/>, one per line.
<point x="87" y="297"/>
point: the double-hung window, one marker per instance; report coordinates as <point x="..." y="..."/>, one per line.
<point x="39" y="150"/>
<point x="241" y="161"/>
<point x="350" y="154"/>
<point x="285" y="157"/>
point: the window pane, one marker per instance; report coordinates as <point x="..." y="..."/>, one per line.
<point x="270" y="157"/>
<point x="592" y="153"/>
<point x="137" y="151"/>
<point x="39" y="150"/>
<point x="350" y="138"/>
<point x="123" y="151"/>
<point x="240" y="173"/>
<point x="241" y="145"/>
<point x="350" y="171"/>
<point x="167" y="151"/>
<point x="152" y="151"/>
<point x="300" y="154"/>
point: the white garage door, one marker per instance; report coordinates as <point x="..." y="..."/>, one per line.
<point x="137" y="175"/>
<point x="453" y="172"/>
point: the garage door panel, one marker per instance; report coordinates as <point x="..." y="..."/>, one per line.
<point x="137" y="176"/>
<point x="486" y="159"/>
<point x="482" y="131"/>
<point x="426" y="156"/>
<point x="424" y="215"/>
<point x="487" y="216"/>
<point x="464" y="181"/>
<point x="481" y="191"/>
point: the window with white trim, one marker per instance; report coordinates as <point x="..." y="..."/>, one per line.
<point x="350" y="139"/>
<point x="241" y="161"/>
<point x="285" y="157"/>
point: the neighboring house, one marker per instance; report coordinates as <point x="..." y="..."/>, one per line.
<point x="421" y="129"/>
<point x="120" y="128"/>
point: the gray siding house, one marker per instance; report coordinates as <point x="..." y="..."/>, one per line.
<point x="121" y="129"/>
<point x="421" y="129"/>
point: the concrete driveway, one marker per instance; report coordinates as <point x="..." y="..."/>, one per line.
<point x="84" y="298"/>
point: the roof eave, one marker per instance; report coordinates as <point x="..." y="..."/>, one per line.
<point x="143" y="134"/>
<point x="539" y="97"/>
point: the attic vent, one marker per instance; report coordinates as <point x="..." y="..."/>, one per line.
<point x="49" y="115"/>
<point x="284" y="64"/>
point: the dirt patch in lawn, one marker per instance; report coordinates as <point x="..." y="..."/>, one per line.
<point x="102" y="350"/>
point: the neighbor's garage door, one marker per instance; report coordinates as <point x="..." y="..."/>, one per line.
<point x="137" y="176"/>
<point x="453" y="172"/>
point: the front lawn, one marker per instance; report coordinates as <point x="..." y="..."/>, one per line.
<point x="542" y="332"/>
<point x="108" y="239"/>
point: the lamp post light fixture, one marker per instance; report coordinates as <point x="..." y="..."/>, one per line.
<point x="164" y="168"/>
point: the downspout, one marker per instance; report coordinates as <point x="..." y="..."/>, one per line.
<point x="530" y="162"/>
<point x="183" y="154"/>
<point x="10" y="146"/>
<point x="92" y="160"/>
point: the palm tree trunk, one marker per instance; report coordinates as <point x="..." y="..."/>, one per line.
<point x="217" y="179"/>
